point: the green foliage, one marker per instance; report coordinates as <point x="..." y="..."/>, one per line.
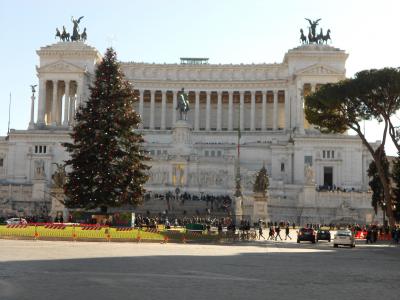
<point x="107" y="158"/>
<point x="375" y="183"/>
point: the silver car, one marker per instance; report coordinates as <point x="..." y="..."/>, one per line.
<point x="14" y="221"/>
<point x="344" y="237"/>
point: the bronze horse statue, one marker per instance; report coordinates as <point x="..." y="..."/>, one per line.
<point x="303" y="38"/>
<point x="327" y="37"/>
<point x="182" y="105"/>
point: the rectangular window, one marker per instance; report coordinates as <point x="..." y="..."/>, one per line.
<point x="308" y="160"/>
<point x="212" y="153"/>
<point x="40" y="149"/>
<point x="323" y="154"/>
<point x="328" y="154"/>
<point x="333" y="154"/>
<point x="282" y="167"/>
<point x="206" y="153"/>
<point x="36" y="149"/>
<point x="44" y="149"/>
<point x="1" y="162"/>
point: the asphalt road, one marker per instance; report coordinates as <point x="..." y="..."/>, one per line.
<point x="256" y="270"/>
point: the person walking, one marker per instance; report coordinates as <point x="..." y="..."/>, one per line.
<point x="260" y="232"/>
<point x="271" y="233"/>
<point x="287" y="229"/>
<point x="278" y="233"/>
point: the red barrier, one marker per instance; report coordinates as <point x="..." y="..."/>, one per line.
<point x="124" y="228"/>
<point x="55" y="226"/>
<point x="17" y="226"/>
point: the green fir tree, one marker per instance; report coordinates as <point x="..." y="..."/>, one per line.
<point x="107" y="160"/>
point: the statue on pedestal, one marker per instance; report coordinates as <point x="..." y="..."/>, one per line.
<point x="183" y="104"/>
<point x="309" y="175"/>
<point x="262" y="182"/>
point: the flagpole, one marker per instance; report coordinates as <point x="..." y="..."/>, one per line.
<point x="9" y="115"/>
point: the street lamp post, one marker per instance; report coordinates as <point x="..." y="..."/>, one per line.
<point x="384" y="213"/>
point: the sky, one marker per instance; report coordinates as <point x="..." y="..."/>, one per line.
<point x="225" y="31"/>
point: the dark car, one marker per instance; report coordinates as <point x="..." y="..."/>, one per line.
<point x="323" y="234"/>
<point x="306" y="234"/>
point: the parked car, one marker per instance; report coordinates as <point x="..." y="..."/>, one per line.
<point x="306" y="234"/>
<point x="323" y="234"/>
<point x="13" y="221"/>
<point x="344" y="237"/>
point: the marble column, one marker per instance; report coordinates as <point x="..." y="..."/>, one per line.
<point x="287" y="109"/>
<point x="264" y="111"/>
<point x="163" y="108"/>
<point x="241" y="108"/>
<point x="152" y="102"/>
<point x="54" y="104"/>
<point x="41" y="102"/>
<point x="219" y="111"/>
<point x="275" y="116"/>
<point x="72" y="104"/>
<point x="141" y="107"/>
<point x="66" y="103"/>
<point x="32" y="121"/>
<point x="197" y="110"/>
<point x="300" y="112"/>
<point x="174" y="103"/>
<point x="253" y="111"/>
<point x="208" y="110"/>
<point x="230" y="110"/>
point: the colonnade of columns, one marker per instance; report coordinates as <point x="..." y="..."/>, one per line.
<point x="195" y="107"/>
<point x="58" y="100"/>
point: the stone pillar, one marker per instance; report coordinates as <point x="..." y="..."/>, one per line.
<point x="41" y="102"/>
<point x="197" y="110"/>
<point x="275" y="116"/>
<point x="163" y="108"/>
<point x="287" y="109"/>
<point x="253" y="111"/>
<point x="72" y="103"/>
<point x="264" y="111"/>
<point x="66" y="103"/>
<point x="152" y="101"/>
<point x="208" y="110"/>
<point x="54" y="104"/>
<point x="174" y="104"/>
<point x="300" y="112"/>
<point x="32" y="121"/>
<point x="230" y="110"/>
<point x="219" y="111"/>
<point x="241" y="107"/>
<point x="141" y="107"/>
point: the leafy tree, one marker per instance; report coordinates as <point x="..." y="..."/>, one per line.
<point x="107" y="158"/>
<point x="371" y="94"/>
<point x="376" y="184"/>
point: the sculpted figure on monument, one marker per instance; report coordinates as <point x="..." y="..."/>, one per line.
<point x="59" y="177"/>
<point x="39" y="169"/>
<point x="262" y="182"/>
<point x="33" y="89"/>
<point x="313" y="26"/>
<point x="75" y="31"/>
<point x="183" y="104"/>
<point x="309" y="175"/>
<point x="64" y="35"/>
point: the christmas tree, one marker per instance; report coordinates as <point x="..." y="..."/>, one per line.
<point x="107" y="160"/>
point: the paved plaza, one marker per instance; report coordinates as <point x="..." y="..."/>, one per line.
<point x="253" y="270"/>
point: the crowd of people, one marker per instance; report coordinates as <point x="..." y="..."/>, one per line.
<point x="213" y="202"/>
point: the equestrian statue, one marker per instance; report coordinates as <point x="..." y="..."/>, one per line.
<point x="313" y="37"/>
<point x="183" y="104"/>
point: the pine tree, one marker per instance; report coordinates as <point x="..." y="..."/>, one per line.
<point x="396" y="190"/>
<point x="107" y="158"/>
